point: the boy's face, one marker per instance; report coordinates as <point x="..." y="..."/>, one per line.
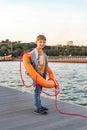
<point x="41" y="44"/>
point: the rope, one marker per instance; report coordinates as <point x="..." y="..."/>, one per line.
<point x="57" y="91"/>
<point x="21" y="76"/>
<point x="67" y="113"/>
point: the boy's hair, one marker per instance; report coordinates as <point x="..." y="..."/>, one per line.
<point x="40" y="37"/>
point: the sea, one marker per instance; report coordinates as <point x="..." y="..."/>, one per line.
<point x="72" y="79"/>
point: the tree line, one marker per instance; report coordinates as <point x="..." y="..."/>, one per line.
<point x="16" y="48"/>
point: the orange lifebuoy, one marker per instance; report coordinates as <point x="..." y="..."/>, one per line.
<point x="35" y="76"/>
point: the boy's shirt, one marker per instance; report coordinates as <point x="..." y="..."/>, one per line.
<point x="34" y="61"/>
<point x="41" y="61"/>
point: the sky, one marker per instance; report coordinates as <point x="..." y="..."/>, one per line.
<point x="59" y="20"/>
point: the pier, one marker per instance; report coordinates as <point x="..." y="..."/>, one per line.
<point x="16" y="113"/>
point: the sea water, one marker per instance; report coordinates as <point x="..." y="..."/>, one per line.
<point x="72" y="79"/>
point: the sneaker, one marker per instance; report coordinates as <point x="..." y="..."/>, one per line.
<point x="44" y="108"/>
<point x="40" y="111"/>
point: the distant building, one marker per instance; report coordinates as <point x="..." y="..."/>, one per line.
<point x="69" y="43"/>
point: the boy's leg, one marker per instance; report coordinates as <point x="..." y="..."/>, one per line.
<point x="38" y="106"/>
<point x="37" y="99"/>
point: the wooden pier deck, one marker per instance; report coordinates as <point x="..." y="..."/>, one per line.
<point x="16" y="113"/>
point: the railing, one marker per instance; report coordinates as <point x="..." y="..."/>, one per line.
<point x="67" y="57"/>
<point x="6" y="59"/>
<point x="71" y="59"/>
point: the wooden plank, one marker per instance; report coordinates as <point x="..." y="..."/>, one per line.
<point x="16" y="113"/>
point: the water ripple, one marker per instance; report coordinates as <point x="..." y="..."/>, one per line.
<point x="72" y="78"/>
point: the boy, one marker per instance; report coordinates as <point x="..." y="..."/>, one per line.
<point x="40" y="63"/>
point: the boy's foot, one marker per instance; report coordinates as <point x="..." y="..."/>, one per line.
<point x="44" y="108"/>
<point x="40" y="111"/>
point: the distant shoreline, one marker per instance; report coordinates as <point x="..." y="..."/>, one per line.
<point x="65" y="59"/>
